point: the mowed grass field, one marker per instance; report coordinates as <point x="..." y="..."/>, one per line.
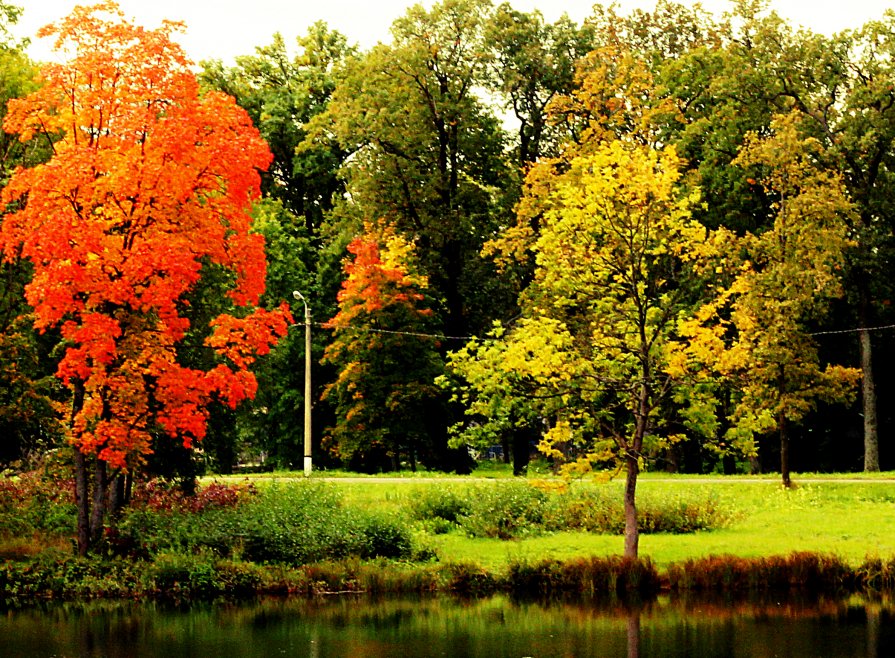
<point x="850" y="516"/>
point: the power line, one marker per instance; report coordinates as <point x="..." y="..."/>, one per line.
<point x="852" y="331"/>
<point x="478" y="338"/>
<point x="402" y="333"/>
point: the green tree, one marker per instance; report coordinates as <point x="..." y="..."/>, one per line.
<point x="427" y="154"/>
<point x="282" y="94"/>
<point x="532" y="62"/>
<point x="757" y="332"/>
<point x="386" y="363"/>
<point x="761" y="66"/>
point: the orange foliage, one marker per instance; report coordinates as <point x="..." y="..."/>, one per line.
<point x="376" y="278"/>
<point x="148" y="180"/>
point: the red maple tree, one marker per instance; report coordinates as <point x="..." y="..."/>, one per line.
<point x="149" y="180"/>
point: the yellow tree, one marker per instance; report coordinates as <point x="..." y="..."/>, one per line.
<point x="615" y="258"/>
<point x="756" y="332"/>
<point x="613" y="253"/>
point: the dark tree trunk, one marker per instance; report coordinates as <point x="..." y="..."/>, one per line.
<point x="82" y="490"/>
<point x="100" y="491"/>
<point x="784" y="450"/>
<point x="82" y="501"/>
<point x="632" y="532"/>
<point x="521" y="450"/>
<point x="128" y="488"/>
<point x="868" y="396"/>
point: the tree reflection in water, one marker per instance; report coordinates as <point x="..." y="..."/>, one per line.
<point x="496" y="627"/>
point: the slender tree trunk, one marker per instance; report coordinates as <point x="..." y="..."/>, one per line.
<point x="116" y="486"/>
<point x="784" y="450"/>
<point x="128" y="489"/>
<point x="868" y="395"/>
<point x="522" y="449"/>
<point x="82" y="493"/>
<point x="82" y="501"/>
<point x="100" y="490"/>
<point x="632" y="532"/>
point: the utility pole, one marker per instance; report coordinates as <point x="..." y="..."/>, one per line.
<point x="298" y="296"/>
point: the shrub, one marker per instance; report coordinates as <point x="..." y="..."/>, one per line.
<point x="504" y="510"/>
<point x="384" y="537"/>
<point x="876" y="574"/>
<point x="161" y="495"/>
<point x="615" y="576"/>
<point x="469" y="579"/>
<point x="810" y="571"/>
<point x="33" y="502"/>
<point x="602" y="510"/>
<point x="443" y="503"/>
<point x="293" y="523"/>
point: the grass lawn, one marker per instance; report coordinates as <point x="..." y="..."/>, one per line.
<point x="824" y="513"/>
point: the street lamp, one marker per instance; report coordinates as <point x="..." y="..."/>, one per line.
<point x="300" y="297"/>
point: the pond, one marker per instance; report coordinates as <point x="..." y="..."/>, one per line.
<point x="443" y="626"/>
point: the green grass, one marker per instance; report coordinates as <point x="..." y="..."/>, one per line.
<point x="851" y="519"/>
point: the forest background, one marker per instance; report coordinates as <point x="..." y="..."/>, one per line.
<point x="470" y="178"/>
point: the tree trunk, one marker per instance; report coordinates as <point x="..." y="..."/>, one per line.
<point x="82" y="501"/>
<point x="632" y="532"/>
<point x="868" y="395"/>
<point x="784" y="450"/>
<point x="521" y="450"/>
<point x="82" y="498"/>
<point x="100" y="489"/>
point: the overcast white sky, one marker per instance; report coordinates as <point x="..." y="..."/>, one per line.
<point x="222" y="29"/>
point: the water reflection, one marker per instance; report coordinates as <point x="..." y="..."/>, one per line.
<point x="496" y="627"/>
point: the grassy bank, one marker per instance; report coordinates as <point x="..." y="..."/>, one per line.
<point x="283" y="535"/>
<point x="823" y="514"/>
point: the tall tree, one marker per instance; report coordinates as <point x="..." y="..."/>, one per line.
<point x="283" y="93"/>
<point x="534" y="61"/>
<point x="762" y="66"/>
<point x="756" y="333"/>
<point x="427" y="155"/>
<point x="148" y="181"/>
<point x="386" y="363"/>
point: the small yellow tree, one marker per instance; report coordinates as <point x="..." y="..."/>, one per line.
<point x="756" y="332"/>
<point x="615" y="258"/>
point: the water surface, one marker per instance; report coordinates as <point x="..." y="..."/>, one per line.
<point x="494" y="628"/>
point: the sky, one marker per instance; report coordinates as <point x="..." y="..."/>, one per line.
<point x="223" y="29"/>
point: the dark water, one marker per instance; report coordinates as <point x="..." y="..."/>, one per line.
<point x="492" y="628"/>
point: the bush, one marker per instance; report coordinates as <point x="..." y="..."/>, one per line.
<point x="614" y="576"/>
<point x="384" y="537"/>
<point x="504" y="510"/>
<point x="294" y="524"/>
<point x="200" y="577"/>
<point x="443" y="503"/>
<point x="35" y="502"/>
<point x="161" y="495"/>
<point x="602" y="510"/>
<point x="470" y="580"/>
<point x="809" y="571"/>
